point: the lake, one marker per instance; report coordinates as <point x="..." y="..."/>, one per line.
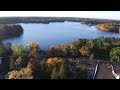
<point x="56" y="33"/>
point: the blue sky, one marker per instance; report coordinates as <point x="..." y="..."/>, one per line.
<point x="85" y="14"/>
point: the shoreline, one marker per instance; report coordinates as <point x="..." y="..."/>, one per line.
<point x="91" y="21"/>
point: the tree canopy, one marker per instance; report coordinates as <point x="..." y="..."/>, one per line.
<point x="115" y="54"/>
<point x="24" y="73"/>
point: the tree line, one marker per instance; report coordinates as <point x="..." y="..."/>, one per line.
<point x="9" y="30"/>
<point x="99" y="48"/>
<point x="28" y="63"/>
<point x="108" y="27"/>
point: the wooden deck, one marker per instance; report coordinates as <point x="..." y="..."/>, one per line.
<point x="104" y="72"/>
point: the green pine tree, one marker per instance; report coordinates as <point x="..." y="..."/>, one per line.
<point x="91" y="56"/>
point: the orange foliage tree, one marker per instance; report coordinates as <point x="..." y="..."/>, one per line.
<point x="54" y="62"/>
<point x="85" y="51"/>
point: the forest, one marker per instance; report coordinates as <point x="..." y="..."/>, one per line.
<point x="109" y="27"/>
<point x="31" y="62"/>
<point x="57" y="62"/>
<point x="91" y="21"/>
<point x="10" y="30"/>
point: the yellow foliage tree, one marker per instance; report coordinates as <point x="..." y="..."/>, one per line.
<point x="85" y="51"/>
<point x="24" y="73"/>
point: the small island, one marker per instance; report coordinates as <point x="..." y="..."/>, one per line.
<point x="109" y="27"/>
<point x="10" y="30"/>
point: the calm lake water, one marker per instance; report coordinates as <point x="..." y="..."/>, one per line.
<point x="57" y="33"/>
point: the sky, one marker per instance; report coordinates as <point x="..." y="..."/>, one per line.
<point x="84" y="14"/>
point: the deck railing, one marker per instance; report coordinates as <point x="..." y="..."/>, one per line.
<point x="96" y="68"/>
<point x="115" y="74"/>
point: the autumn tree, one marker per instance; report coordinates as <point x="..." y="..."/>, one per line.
<point x="33" y="48"/>
<point x="54" y="74"/>
<point x="62" y="72"/>
<point x="65" y="50"/>
<point x="33" y="45"/>
<point x="85" y="51"/>
<point x="19" y="58"/>
<point x="24" y="73"/>
<point x="59" y="64"/>
<point x="54" y="62"/>
<point x="108" y="27"/>
<point x="18" y="50"/>
<point x="32" y="64"/>
<point x="58" y="51"/>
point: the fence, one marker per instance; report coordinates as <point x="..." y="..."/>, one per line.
<point x="113" y="72"/>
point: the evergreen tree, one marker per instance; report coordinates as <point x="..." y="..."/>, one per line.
<point x="91" y="56"/>
<point x="2" y="50"/>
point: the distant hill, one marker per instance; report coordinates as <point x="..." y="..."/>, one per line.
<point x="90" y="21"/>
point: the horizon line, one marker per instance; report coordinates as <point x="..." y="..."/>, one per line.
<point x="61" y="17"/>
